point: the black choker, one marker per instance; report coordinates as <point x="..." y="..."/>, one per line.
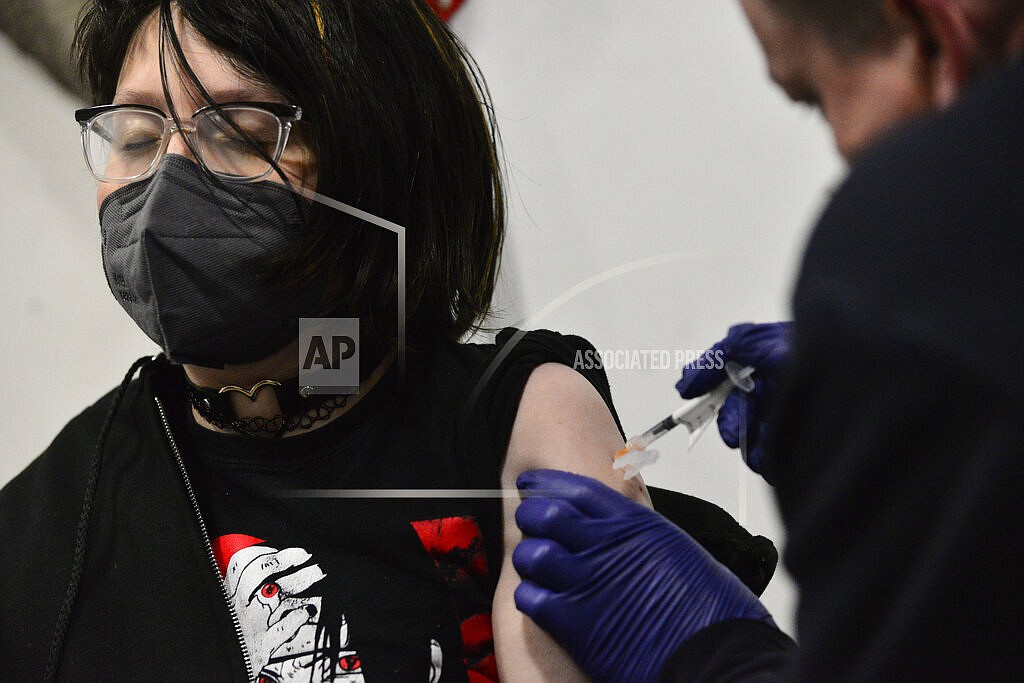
<point x="300" y="409"/>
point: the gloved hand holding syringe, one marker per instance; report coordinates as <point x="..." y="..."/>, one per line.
<point x="696" y="415"/>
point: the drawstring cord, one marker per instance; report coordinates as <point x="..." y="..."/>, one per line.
<point x="60" y="631"/>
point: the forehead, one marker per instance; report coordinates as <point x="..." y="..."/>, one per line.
<point x="140" y="82"/>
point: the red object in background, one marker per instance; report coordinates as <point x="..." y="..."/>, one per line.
<point x="445" y="8"/>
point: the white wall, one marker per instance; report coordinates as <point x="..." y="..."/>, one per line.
<point x="631" y="130"/>
<point x="634" y="129"/>
<point x="65" y="341"/>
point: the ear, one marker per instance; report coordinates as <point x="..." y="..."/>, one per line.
<point x="1016" y="43"/>
<point x="947" y="41"/>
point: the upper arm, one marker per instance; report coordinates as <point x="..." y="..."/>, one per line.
<point x="562" y="423"/>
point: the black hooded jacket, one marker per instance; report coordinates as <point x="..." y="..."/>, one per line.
<point x="135" y="593"/>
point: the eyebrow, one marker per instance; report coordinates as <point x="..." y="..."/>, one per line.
<point x="137" y="97"/>
<point x="253" y="93"/>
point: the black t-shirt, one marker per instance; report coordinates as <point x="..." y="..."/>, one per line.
<point x="332" y="583"/>
<point x="899" y="441"/>
<point x="900" y="445"/>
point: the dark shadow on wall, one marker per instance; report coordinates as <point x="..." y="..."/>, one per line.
<point x="44" y="29"/>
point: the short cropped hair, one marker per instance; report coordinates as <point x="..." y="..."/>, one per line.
<point x="402" y="127"/>
<point x="851" y="26"/>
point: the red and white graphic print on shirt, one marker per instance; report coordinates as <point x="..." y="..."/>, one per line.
<point x="273" y="595"/>
<point x="456" y="545"/>
<point x="281" y="629"/>
<point x="445" y="8"/>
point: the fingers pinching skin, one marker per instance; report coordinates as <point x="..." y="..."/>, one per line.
<point x="532" y="600"/>
<point x="587" y="495"/>
<point x="547" y="517"/>
<point x="560" y="521"/>
<point x="624" y="588"/>
<point x="548" y="563"/>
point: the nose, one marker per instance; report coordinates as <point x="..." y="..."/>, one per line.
<point x="176" y="145"/>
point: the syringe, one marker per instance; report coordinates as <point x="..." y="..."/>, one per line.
<point x="696" y="415"/>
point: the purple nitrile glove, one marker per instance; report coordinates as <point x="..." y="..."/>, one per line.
<point x="742" y="419"/>
<point x="615" y="583"/>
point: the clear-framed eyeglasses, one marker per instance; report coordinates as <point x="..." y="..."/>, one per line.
<point x="236" y="142"/>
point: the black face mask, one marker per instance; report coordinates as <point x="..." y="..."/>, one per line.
<point x="185" y="256"/>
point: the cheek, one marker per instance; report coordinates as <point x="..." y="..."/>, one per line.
<point x="855" y="128"/>
<point x="299" y="162"/>
<point x="102" y="190"/>
<point x="867" y="109"/>
<point x="303" y="173"/>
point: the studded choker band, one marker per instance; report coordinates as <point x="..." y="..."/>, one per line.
<point x="300" y="409"/>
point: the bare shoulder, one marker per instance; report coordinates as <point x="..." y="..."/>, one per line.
<point x="563" y="423"/>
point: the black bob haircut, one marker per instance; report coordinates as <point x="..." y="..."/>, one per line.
<point x="399" y="118"/>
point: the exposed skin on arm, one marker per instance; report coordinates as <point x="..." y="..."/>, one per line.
<point x="563" y="424"/>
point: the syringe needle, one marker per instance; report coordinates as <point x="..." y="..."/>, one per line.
<point x="695" y="414"/>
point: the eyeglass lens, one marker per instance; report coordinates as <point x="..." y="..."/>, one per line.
<point x="126" y="143"/>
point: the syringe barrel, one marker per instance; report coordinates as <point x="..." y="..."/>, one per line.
<point x="644" y="440"/>
<point x="699" y="412"/>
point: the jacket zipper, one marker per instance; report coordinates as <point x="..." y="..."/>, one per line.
<point x="206" y="541"/>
